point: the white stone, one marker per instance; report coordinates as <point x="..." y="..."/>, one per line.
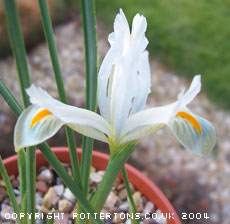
<point x="59" y="189"/>
<point x="69" y="195"/>
<point x="95" y="177"/>
<point x="124" y="206"/>
<point x="149" y="207"/>
<point x="111" y="200"/>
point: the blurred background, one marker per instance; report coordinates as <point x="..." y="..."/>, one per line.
<point x="185" y="38"/>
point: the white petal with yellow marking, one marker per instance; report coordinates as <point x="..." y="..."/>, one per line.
<point x="194" y="132"/>
<point x="66" y="113"/>
<point x="35" y="125"/>
<point x="42" y="120"/>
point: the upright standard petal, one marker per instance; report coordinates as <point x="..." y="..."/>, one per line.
<point x="46" y="116"/>
<point x="144" y="83"/>
<point x="193" y="90"/>
<point x="124" y="77"/>
<point x="119" y="41"/>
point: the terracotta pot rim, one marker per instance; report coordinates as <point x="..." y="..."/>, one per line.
<point x="139" y="180"/>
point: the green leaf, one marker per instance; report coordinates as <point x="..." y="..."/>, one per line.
<point x="9" y="187"/>
<point x="47" y="26"/>
<point x="18" y="48"/>
<point x="19" y="53"/>
<point x="10" y="99"/>
<point x="90" y="41"/>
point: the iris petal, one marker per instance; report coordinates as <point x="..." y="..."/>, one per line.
<point x="193" y="90"/>
<point x="194" y="132"/>
<point x="147" y="122"/>
<point x="43" y="119"/>
<point x="124" y="73"/>
<point x="26" y="134"/>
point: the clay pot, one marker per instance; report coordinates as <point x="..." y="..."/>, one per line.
<point x="100" y="161"/>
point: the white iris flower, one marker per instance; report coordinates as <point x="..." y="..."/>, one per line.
<point x="123" y="87"/>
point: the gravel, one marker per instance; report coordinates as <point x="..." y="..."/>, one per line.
<point x="116" y="208"/>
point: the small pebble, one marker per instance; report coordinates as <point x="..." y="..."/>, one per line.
<point x="69" y="195"/>
<point x="3" y="193"/>
<point x="124" y="207"/>
<point x="92" y="169"/>
<point x="49" y="198"/>
<point x="65" y="206"/>
<point x="111" y="200"/>
<point x="73" y="211"/>
<point x="63" y="219"/>
<point x="132" y="188"/>
<point x="39" y="198"/>
<point x="119" y="218"/>
<point x="15" y="183"/>
<point x="59" y="181"/>
<point x="46" y="175"/>
<point x="149" y="221"/>
<point x="59" y="189"/>
<point x="120" y="187"/>
<point x="6" y="209"/>
<point x="16" y="192"/>
<point x="122" y="194"/>
<point x="101" y="172"/>
<point x="138" y="201"/>
<point x="149" y="207"/>
<point x="41" y="186"/>
<point x="2" y="184"/>
<point x="95" y="177"/>
<point x="117" y="182"/>
<point x="160" y="219"/>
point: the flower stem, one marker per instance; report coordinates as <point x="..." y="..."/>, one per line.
<point x="31" y="182"/>
<point x="116" y="162"/>
<point x="22" y="177"/>
<point x="130" y="196"/>
<point x="47" y="26"/>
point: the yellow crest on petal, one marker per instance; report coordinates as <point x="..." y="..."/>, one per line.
<point x="192" y="120"/>
<point x="40" y="115"/>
